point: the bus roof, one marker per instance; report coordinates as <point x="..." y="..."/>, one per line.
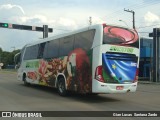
<point x="65" y="34"/>
<point x="96" y="26"/>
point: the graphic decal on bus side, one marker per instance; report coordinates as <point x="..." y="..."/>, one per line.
<point x="32" y="75"/>
<point x="76" y="67"/>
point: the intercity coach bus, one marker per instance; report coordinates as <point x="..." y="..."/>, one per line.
<point x="96" y="59"/>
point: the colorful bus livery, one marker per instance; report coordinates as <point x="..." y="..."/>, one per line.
<point x="95" y="59"/>
<point x="68" y="66"/>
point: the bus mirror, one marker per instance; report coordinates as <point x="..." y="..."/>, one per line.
<point x="17" y="58"/>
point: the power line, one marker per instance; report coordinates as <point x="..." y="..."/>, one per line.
<point x="134" y="6"/>
<point x="143" y="32"/>
<point x="150" y="3"/>
<point x="147" y="26"/>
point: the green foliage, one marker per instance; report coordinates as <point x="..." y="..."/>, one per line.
<point x="7" y="58"/>
<point x="1" y="50"/>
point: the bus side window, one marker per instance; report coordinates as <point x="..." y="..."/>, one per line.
<point x="31" y="52"/>
<point x="51" y="49"/>
<point x="34" y="52"/>
<point x="41" y="49"/>
<point x="84" y="40"/>
<point x="66" y="45"/>
<point x="27" y="54"/>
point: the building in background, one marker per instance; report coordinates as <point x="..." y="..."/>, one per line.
<point x="146" y="55"/>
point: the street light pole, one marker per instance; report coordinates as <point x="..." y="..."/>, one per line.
<point x="131" y="11"/>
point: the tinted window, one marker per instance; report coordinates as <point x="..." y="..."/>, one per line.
<point x="34" y="52"/>
<point x="27" y="54"/>
<point x="66" y="45"/>
<point x="51" y="49"/>
<point x="120" y="36"/>
<point x="84" y="39"/>
<point x="31" y="52"/>
<point x="41" y="49"/>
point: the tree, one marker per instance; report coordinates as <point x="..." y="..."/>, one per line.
<point x="1" y="50"/>
<point x="7" y="58"/>
<point x="1" y="54"/>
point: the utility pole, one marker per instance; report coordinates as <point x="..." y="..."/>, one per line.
<point x="90" y="20"/>
<point x="131" y="11"/>
<point x="45" y="31"/>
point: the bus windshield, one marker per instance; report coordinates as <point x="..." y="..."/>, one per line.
<point x="120" y="36"/>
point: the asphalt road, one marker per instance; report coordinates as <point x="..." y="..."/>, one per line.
<point x="14" y="96"/>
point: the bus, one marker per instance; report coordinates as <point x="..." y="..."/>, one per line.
<point x="97" y="59"/>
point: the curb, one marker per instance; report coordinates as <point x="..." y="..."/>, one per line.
<point x="148" y="82"/>
<point x="8" y="71"/>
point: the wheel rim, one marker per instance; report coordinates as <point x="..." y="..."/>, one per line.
<point x="61" y="87"/>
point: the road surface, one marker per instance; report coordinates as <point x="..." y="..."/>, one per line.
<point x="14" y="96"/>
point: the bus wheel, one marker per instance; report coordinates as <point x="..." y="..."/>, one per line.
<point x="61" y="87"/>
<point x="25" y="82"/>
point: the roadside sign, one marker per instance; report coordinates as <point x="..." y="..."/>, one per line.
<point x="1" y="64"/>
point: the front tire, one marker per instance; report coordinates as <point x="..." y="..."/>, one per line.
<point x="62" y="87"/>
<point x="25" y="81"/>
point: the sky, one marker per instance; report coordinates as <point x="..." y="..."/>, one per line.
<point x="68" y="15"/>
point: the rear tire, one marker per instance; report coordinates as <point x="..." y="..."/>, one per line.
<point x="61" y="87"/>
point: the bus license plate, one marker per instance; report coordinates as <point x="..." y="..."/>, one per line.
<point x="119" y="87"/>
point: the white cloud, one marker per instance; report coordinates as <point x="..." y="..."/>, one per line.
<point x="9" y="6"/>
<point x="36" y="19"/>
<point x="40" y="20"/>
<point x="97" y="20"/>
<point x="67" y="22"/>
<point x="150" y="17"/>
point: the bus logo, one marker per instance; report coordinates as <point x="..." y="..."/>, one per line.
<point x="121" y="49"/>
